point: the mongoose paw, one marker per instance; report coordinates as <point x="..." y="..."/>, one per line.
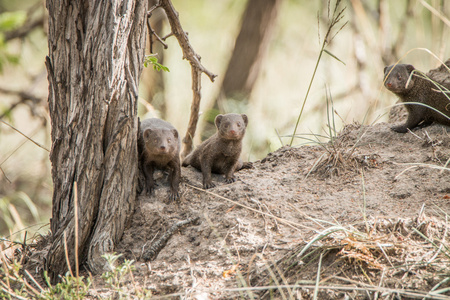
<point x="151" y="189"/>
<point x="173" y="196"/>
<point x="208" y="185"/>
<point x="230" y="180"/>
<point x="247" y="165"/>
<point x="400" y="129"/>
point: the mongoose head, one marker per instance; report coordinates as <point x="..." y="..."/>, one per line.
<point x="397" y="76"/>
<point x="160" y="141"/>
<point x="231" y="126"/>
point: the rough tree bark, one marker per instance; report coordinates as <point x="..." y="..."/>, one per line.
<point x="96" y="51"/>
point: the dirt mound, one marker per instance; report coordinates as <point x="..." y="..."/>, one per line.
<point x="376" y="186"/>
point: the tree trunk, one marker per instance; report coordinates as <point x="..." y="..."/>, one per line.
<point x="96" y="51"/>
<point x="245" y="63"/>
<point x="243" y="68"/>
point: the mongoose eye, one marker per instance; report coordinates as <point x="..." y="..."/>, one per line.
<point x="399" y="77"/>
<point x="169" y="140"/>
<point x="239" y="124"/>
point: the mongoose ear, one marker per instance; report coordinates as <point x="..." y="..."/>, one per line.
<point x="245" y="118"/>
<point x="218" y="120"/>
<point x="410" y="68"/>
<point x="147" y="133"/>
<point x="175" y="133"/>
<point x="386" y="69"/>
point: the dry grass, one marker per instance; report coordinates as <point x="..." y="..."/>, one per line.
<point x="341" y="155"/>
<point x="402" y="257"/>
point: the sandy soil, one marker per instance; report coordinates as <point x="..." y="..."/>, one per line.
<point x="250" y="232"/>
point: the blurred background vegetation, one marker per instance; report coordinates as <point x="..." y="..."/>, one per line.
<point x="264" y="52"/>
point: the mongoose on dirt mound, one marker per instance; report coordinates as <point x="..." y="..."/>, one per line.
<point x="431" y="89"/>
<point x="220" y="153"/>
<point x="160" y="149"/>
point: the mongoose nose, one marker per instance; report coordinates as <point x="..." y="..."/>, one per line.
<point x="232" y="131"/>
<point x="389" y="84"/>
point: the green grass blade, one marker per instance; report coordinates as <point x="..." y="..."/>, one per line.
<point x="316" y="289"/>
<point x="333" y="56"/>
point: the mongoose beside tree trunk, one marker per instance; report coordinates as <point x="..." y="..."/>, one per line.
<point x="160" y="146"/>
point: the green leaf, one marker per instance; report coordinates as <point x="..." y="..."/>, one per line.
<point x="153" y="60"/>
<point x="12" y="20"/>
<point x="333" y="56"/>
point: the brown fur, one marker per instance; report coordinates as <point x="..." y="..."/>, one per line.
<point x="220" y="153"/>
<point x="421" y="90"/>
<point x="160" y="146"/>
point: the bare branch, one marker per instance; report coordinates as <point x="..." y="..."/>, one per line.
<point x="150" y="11"/>
<point x="24" y="98"/>
<point x="25" y="29"/>
<point x="195" y="108"/>
<point x="6" y="177"/>
<point x="152" y="33"/>
<point x="196" y="67"/>
<point x="167" y="36"/>
<point x="21" y="94"/>
<point x="177" y="30"/>
<point x="157" y="246"/>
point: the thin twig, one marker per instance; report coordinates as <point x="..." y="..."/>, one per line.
<point x="157" y="246"/>
<point x="151" y="33"/>
<point x="36" y="143"/>
<point x="34" y="281"/>
<point x="4" y="174"/>
<point x="195" y="109"/>
<point x="66" y="251"/>
<point x="167" y="36"/>
<point x="25" y="29"/>
<point x="196" y="69"/>
<point x="177" y="30"/>
<point x="24" y="97"/>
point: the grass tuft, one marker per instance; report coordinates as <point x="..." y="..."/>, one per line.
<point x="396" y="248"/>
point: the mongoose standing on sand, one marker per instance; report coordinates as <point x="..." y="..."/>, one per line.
<point x="220" y="153"/>
<point x="160" y="149"/>
<point x="419" y="89"/>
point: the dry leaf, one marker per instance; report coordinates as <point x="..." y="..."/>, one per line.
<point x="230" y="272"/>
